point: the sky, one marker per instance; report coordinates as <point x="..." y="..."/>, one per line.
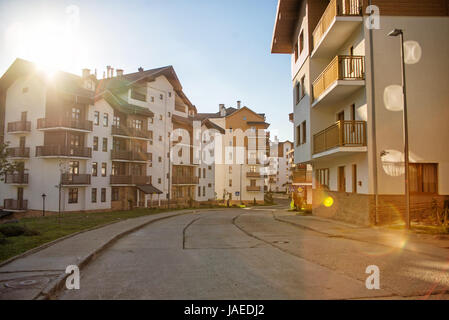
<point x="220" y="49"/>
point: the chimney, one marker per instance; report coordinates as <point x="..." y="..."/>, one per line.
<point x="119" y="72"/>
<point x="222" y="110"/>
<point x="86" y="73"/>
<point x="112" y="72"/>
<point x="238" y="104"/>
<point x="140" y="69"/>
<point x="108" y="72"/>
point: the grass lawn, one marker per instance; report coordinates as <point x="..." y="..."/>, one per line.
<point x="51" y="228"/>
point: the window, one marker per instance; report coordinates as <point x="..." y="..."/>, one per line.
<point x="199" y="172"/>
<point x="103" y="169"/>
<point x="199" y="191"/>
<point x="160" y="138"/>
<point x="159" y="180"/>
<point x="103" y="194"/>
<point x="96" y="118"/>
<point x="204" y="172"/>
<point x="230" y="182"/>
<point x="74" y="167"/>
<point x="303" y="87"/>
<point x="204" y="191"/>
<point x="301" y="42"/>
<point x="73" y="195"/>
<point x="161" y="96"/>
<point x="169" y="114"/>
<point x="105" y="145"/>
<point x="23" y="116"/>
<point x="94" y="169"/>
<point x="95" y="145"/>
<point x="116" y="121"/>
<point x="159" y="159"/>
<point x="423" y="177"/>
<point x="115" y="194"/>
<point x="93" y="196"/>
<point x="160" y="117"/>
<point x="322" y="177"/>
<point x="151" y="120"/>
<point x="209" y="185"/>
<point x="297" y="93"/>
<point x="76" y="113"/>
<point x="152" y="99"/>
<point x="137" y="124"/>
<point x="296" y="51"/>
<point x="303" y="132"/>
<point x="252" y="183"/>
<point x="354" y="178"/>
<point x="298" y="135"/>
<point x="230" y="169"/>
<point x="209" y="167"/>
<point x="341" y="179"/>
<point x="105" y="120"/>
<point x="169" y="94"/>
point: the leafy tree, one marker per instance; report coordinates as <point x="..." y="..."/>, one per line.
<point x="5" y="165"/>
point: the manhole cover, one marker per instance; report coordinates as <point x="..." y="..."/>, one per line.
<point x="280" y="242"/>
<point x="26" y="283"/>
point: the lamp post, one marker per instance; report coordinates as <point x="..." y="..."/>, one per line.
<point x="395" y="33"/>
<point x="43" y="204"/>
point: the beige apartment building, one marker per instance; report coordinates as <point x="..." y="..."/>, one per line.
<point x="347" y="108"/>
<point x="278" y="170"/>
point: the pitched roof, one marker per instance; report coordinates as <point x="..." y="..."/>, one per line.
<point x="228" y="112"/>
<point x="125" y="107"/>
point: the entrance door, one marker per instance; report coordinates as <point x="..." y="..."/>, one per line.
<point x="341" y="179"/>
<point x="341" y="116"/>
<point x="19" y="198"/>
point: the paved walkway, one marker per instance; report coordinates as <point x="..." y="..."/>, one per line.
<point x="38" y="274"/>
<point x="432" y="245"/>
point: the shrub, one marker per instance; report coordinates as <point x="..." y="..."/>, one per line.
<point x="14" y="230"/>
<point x="2" y="238"/>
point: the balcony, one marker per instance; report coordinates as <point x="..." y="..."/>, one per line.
<point x="253" y="174"/>
<point x="57" y="151"/>
<point x="64" y="123"/>
<point x="301" y="176"/>
<point x="341" y="78"/>
<point x="342" y="137"/>
<point x="124" y="155"/>
<point x="19" y="127"/>
<point x="185" y="180"/>
<point x="130" y="180"/>
<point x="15" y="205"/>
<point x="131" y="132"/>
<point x="253" y="188"/>
<point x="18" y="152"/>
<point x="340" y="19"/>
<point x="16" y="178"/>
<point x="69" y="179"/>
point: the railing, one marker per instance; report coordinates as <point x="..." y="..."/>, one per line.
<point x="335" y="8"/>
<point x="12" y="204"/>
<point x="253" y="174"/>
<point x="19" y="126"/>
<point x="130" y="132"/>
<point x="46" y="123"/>
<point x="130" y="155"/>
<point x="129" y="179"/>
<point x="341" y="68"/>
<point x="185" y="180"/>
<point x="75" y="179"/>
<point x="63" y="151"/>
<point x="342" y="133"/>
<point x="301" y="176"/>
<point x="18" y="152"/>
<point x="16" y="178"/>
<point x="253" y="188"/>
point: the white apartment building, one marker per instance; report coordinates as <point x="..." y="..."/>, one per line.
<point x="348" y="102"/>
<point x="278" y="172"/>
<point x="89" y="144"/>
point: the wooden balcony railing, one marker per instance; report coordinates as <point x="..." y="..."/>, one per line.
<point x="129" y="179"/>
<point x="341" y="68"/>
<point x="63" y="151"/>
<point x="47" y="123"/>
<point x="131" y="132"/>
<point x="342" y="133"/>
<point x="75" y="179"/>
<point x="253" y="188"/>
<point x="335" y="8"/>
<point x="18" y="152"/>
<point x="301" y="176"/>
<point x="130" y="155"/>
<point x="185" y="180"/>
<point x="19" y="126"/>
<point x="12" y="204"/>
<point x="250" y="174"/>
<point x="16" y="178"/>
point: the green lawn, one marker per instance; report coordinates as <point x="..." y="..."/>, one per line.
<point x="51" y="228"/>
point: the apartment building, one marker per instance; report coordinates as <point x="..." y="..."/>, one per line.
<point x="240" y="153"/>
<point x="347" y="108"/>
<point x="88" y="144"/>
<point x="278" y="175"/>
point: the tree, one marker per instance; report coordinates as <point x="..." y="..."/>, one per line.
<point x="6" y="166"/>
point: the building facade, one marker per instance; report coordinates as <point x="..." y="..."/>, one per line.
<point x="346" y="80"/>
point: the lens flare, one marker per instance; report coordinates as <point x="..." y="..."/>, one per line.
<point x="328" y="202"/>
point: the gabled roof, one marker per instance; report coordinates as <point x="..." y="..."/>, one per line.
<point x="228" y="112"/>
<point x="125" y="107"/>
<point x="284" y="26"/>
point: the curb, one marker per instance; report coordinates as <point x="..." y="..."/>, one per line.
<point x="55" y="286"/>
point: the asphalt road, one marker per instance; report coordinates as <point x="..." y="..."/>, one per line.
<point x="247" y="254"/>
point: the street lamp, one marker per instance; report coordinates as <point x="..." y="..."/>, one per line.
<point x="43" y="204"/>
<point x="395" y="33"/>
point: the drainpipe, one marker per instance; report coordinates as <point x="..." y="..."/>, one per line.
<point x="373" y="125"/>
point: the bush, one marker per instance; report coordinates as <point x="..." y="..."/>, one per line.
<point x="2" y="238"/>
<point x="14" y="230"/>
